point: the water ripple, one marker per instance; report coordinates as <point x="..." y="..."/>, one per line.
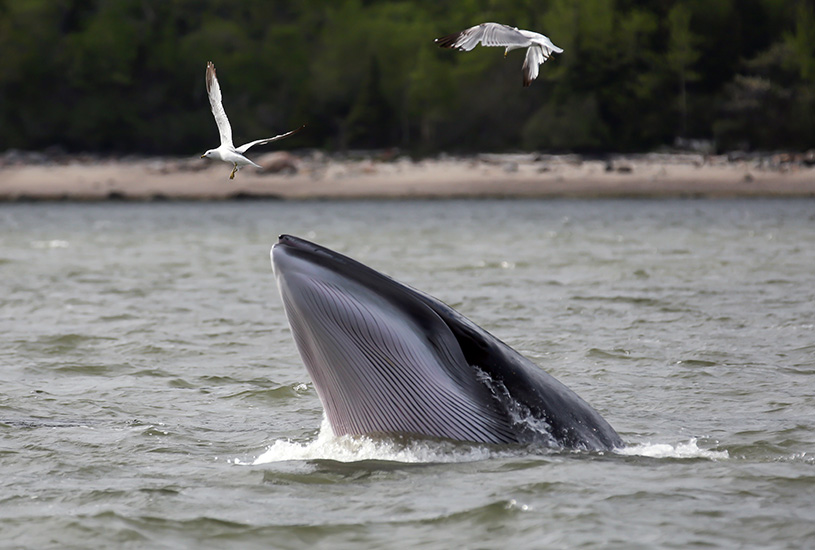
<point x="153" y="397"/>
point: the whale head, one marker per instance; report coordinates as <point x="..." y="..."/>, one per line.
<point x="388" y="359"/>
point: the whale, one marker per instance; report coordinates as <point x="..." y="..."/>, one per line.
<point x="388" y="360"/>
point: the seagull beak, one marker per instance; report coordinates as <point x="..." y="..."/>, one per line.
<point x="204" y="155"/>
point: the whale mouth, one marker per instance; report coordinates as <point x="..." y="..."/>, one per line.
<point x="388" y="359"/>
<point x="380" y="367"/>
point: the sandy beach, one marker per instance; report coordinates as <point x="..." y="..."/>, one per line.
<point x="315" y="175"/>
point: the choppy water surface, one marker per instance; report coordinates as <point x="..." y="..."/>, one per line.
<point x="152" y="395"/>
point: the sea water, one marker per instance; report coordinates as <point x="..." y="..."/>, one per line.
<point x="152" y="395"/>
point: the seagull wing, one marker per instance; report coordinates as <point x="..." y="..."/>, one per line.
<point x="245" y="147"/>
<point x="488" y="34"/>
<point x="535" y="56"/>
<point x="216" y="102"/>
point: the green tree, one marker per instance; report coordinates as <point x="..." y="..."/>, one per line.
<point x="127" y="76"/>
<point x="802" y="42"/>
<point x="681" y="56"/>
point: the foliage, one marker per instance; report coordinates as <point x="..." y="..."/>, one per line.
<point x="128" y="75"/>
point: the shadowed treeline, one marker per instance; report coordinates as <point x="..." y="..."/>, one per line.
<point x="128" y="75"/>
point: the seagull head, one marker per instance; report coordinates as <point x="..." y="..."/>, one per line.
<point x="208" y="154"/>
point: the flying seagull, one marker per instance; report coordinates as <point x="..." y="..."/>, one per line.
<point x="227" y="152"/>
<point x="539" y="47"/>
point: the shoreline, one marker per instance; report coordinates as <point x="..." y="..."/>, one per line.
<point x="316" y="176"/>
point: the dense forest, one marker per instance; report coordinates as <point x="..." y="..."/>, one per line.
<point x="127" y="76"/>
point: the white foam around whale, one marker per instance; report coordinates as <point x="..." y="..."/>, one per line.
<point x="327" y="446"/>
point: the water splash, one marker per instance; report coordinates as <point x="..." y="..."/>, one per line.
<point x="344" y="448"/>
<point x="687" y="449"/>
<point x="327" y="446"/>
